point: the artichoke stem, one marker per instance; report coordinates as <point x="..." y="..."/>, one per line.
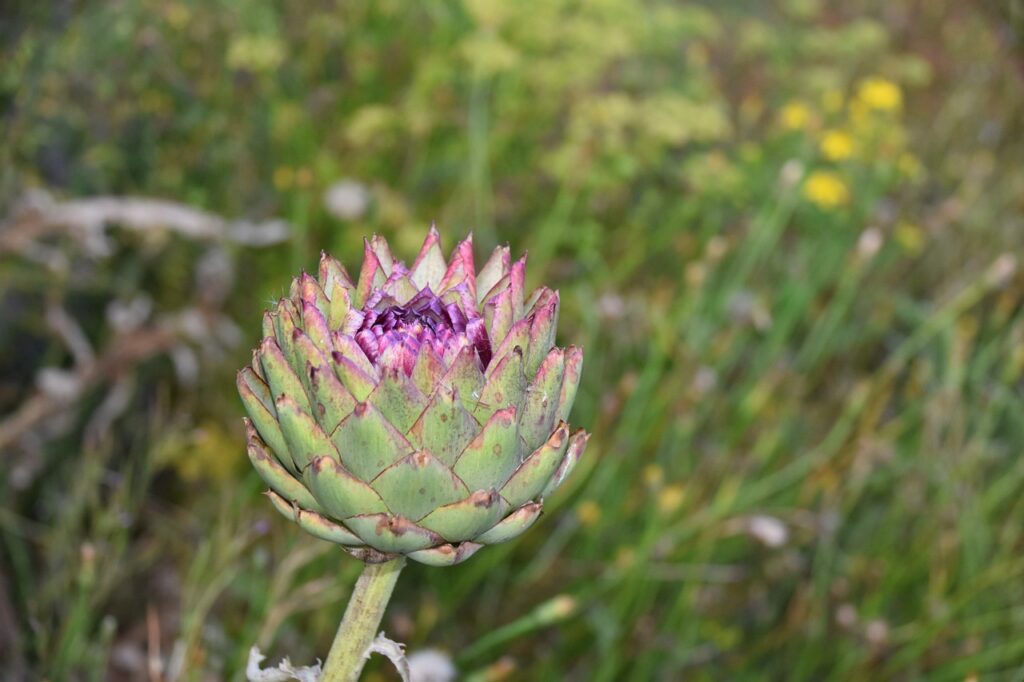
<point x="362" y="618"/>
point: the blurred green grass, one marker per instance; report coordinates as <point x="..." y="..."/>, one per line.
<point x="786" y="234"/>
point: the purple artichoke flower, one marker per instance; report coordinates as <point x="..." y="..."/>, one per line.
<point x="419" y="411"/>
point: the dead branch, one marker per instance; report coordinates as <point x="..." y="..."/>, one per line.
<point x="40" y="215"/>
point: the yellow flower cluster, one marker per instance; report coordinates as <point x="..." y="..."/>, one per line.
<point x="873" y="94"/>
<point x="860" y="128"/>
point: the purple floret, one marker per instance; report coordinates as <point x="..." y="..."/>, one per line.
<point x="392" y="335"/>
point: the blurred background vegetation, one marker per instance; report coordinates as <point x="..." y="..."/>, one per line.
<point x="787" y="233"/>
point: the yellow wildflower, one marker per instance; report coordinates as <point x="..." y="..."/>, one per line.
<point x="880" y="94"/>
<point x="909" y="236"/>
<point x="837" y="145"/>
<point x="653" y="475"/>
<point x="826" y="189"/>
<point x="795" y="116"/>
<point x="670" y="499"/>
<point x="588" y="512"/>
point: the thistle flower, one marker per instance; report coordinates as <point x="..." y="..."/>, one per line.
<point x="417" y="411"/>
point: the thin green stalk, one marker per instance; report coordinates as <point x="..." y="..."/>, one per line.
<point x="362" y="618"/>
<point x="546" y="614"/>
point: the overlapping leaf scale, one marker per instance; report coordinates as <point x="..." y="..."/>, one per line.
<point x="371" y="275"/>
<point x="392" y="534"/>
<point x="340" y="494"/>
<point x="429" y="267"/>
<point x="540" y="407"/>
<point x="544" y="320"/>
<point x="303" y="435"/>
<point x="428" y="367"/>
<point x="417" y="484"/>
<point x="333" y="275"/>
<point x="496" y="267"/>
<point x="380" y="248"/>
<point x="537" y="469"/>
<point x="464" y="376"/>
<point x="504" y="385"/>
<point x="399" y="400"/>
<point x="466" y="518"/>
<point x="276" y="476"/>
<point x="446" y="555"/>
<point x="514" y="524"/>
<point x="263" y="415"/>
<point x="329" y="400"/>
<point x="313" y="523"/>
<point x="400" y="287"/>
<point x="493" y="454"/>
<point x="577" y="444"/>
<point x="368" y="443"/>
<point x="444" y="428"/>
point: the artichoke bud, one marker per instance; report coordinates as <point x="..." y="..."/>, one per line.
<point x="416" y="411"/>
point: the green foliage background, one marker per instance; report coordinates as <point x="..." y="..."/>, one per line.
<point x="804" y="358"/>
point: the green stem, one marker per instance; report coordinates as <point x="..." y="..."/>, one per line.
<point x="362" y="618"/>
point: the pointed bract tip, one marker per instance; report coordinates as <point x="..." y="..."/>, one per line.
<point x="464" y="249"/>
<point x="580" y="435"/>
<point x="321" y="462"/>
<point x="433" y="237"/>
<point x="560" y="434"/>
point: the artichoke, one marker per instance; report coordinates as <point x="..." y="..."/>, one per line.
<point x="419" y="411"/>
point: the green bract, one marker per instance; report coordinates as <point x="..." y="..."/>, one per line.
<point x="417" y="411"/>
